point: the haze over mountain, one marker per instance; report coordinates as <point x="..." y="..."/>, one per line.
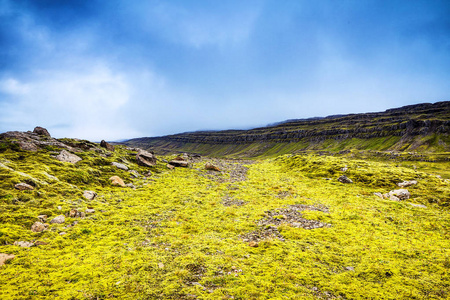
<point x="121" y="69"/>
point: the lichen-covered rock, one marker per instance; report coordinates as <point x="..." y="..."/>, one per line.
<point x="401" y="194"/>
<point x="90" y="195"/>
<point x="107" y="145"/>
<point x="145" y="158"/>
<point x="344" y="179"/>
<point x="120" y="166"/>
<point x="41" y="131"/>
<point x="116" y="180"/>
<point x="23" y="187"/>
<point x="5" y="257"/>
<point x="407" y="183"/>
<point x="66" y="156"/>
<point x="58" y="220"/>
<point x="38" y="227"/>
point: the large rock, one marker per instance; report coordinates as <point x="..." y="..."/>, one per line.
<point x="23" y="187"/>
<point x="5" y="257"/>
<point x="106" y="145"/>
<point x="31" y="141"/>
<point x="90" y="195"/>
<point x="407" y="183"/>
<point x="116" y="180"/>
<point x="344" y="179"/>
<point x="38" y="227"/>
<point x="145" y="158"/>
<point x="120" y="166"/>
<point x="66" y="156"/>
<point x="41" y="131"/>
<point x="401" y="194"/>
<point x="58" y="220"/>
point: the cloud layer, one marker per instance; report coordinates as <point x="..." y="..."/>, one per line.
<point x="122" y="69"/>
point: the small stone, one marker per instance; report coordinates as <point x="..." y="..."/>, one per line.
<point x="171" y="167"/>
<point x="161" y="265"/>
<point x="116" y="180"/>
<point x="58" y="220"/>
<point x="23" y="244"/>
<point x="407" y="183"/>
<point x="40" y="243"/>
<point x="350" y="269"/>
<point x="23" y="186"/>
<point x="209" y="166"/>
<point x="135" y="173"/>
<point x="5" y="257"/>
<point x="120" y="166"/>
<point x="401" y="194"/>
<point x="90" y="211"/>
<point x="379" y="195"/>
<point x="418" y="205"/>
<point x="62" y="233"/>
<point x="344" y="179"/>
<point x="38" y="227"/>
<point x="42" y="218"/>
<point x="59" y="207"/>
<point x="130" y="185"/>
<point x="179" y="163"/>
<point x="90" y="195"/>
<point x="253" y="244"/>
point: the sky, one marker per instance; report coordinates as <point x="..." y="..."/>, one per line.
<point x="119" y="69"/>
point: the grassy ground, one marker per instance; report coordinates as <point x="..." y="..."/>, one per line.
<point x="189" y="233"/>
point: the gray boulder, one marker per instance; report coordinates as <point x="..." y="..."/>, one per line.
<point x="90" y="195"/>
<point x="145" y="158"/>
<point x="401" y="194"/>
<point x="66" y="156"/>
<point x="120" y="166"/>
<point x="58" y="220"/>
<point x="344" y="179"/>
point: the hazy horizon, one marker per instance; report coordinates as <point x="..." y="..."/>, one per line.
<point x="123" y="69"/>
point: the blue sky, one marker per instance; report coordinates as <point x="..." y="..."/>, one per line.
<point x="129" y="68"/>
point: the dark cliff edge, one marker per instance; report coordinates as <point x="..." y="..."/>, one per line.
<point x="421" y="128"/>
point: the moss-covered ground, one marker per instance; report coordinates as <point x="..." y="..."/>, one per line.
<point x="181" y="234"/>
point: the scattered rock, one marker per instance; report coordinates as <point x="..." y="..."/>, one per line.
<point x="161" y="265"/>
<point x="418" y="205"/>
<point x="89" y="195"/>
<point x="63" y="233"/>
<point x="352" y="269"/>
<point x="209" y="166"/>
<point x="145" y="158"/>
<point x="401" y="194"/>
<point x="230" y="201"/>
<point x="40" y="243"/>
<point x="116" y="180"/>
<point x="23" y="186"/>
<point x="130" y="185"/>
<point x="344" y="169"/>
<point x="407" y="183"/>
<point x="344" y="179"/>
<point x="4" y="257"/>
<point x="178" y="163"/>
<point x="42" y="218"/>
<point x="135" y="173"/>
<point x="379" y="195"/>
<point x="59" y="207"/>
<point x="73" y="213"/>
<point x="171" y="167"/>
<point x="107" y="145"/>
<point x="23" y="244"/>
<point x="66" y="156"/>
<point x="253" y="244"/>
<point x="41" y="131"/>
<point x="120" y="166"/>
<point x="90" y="211"/>
<point x="58" y="220"/>
<point x="39" y="227"/>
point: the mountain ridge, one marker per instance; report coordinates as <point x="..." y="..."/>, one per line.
<point x="419" y="127"/>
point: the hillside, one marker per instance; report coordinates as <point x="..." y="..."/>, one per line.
<point x="194" y="227"/>
<point x="422" y="128"/>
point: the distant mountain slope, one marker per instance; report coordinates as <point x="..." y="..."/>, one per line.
<point x="421" y="127"/>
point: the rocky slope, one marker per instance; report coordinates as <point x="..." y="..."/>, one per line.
<point x="422" y="127"/>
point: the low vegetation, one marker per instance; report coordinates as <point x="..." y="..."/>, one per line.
<point x="273" y="228"/>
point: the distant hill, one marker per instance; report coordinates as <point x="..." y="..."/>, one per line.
<point x="422" y="128"/>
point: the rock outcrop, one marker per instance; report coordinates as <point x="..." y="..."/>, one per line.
<point x="41" y="131"/>
<point x="107" y="145"/>
<point x="66" y="156"/>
